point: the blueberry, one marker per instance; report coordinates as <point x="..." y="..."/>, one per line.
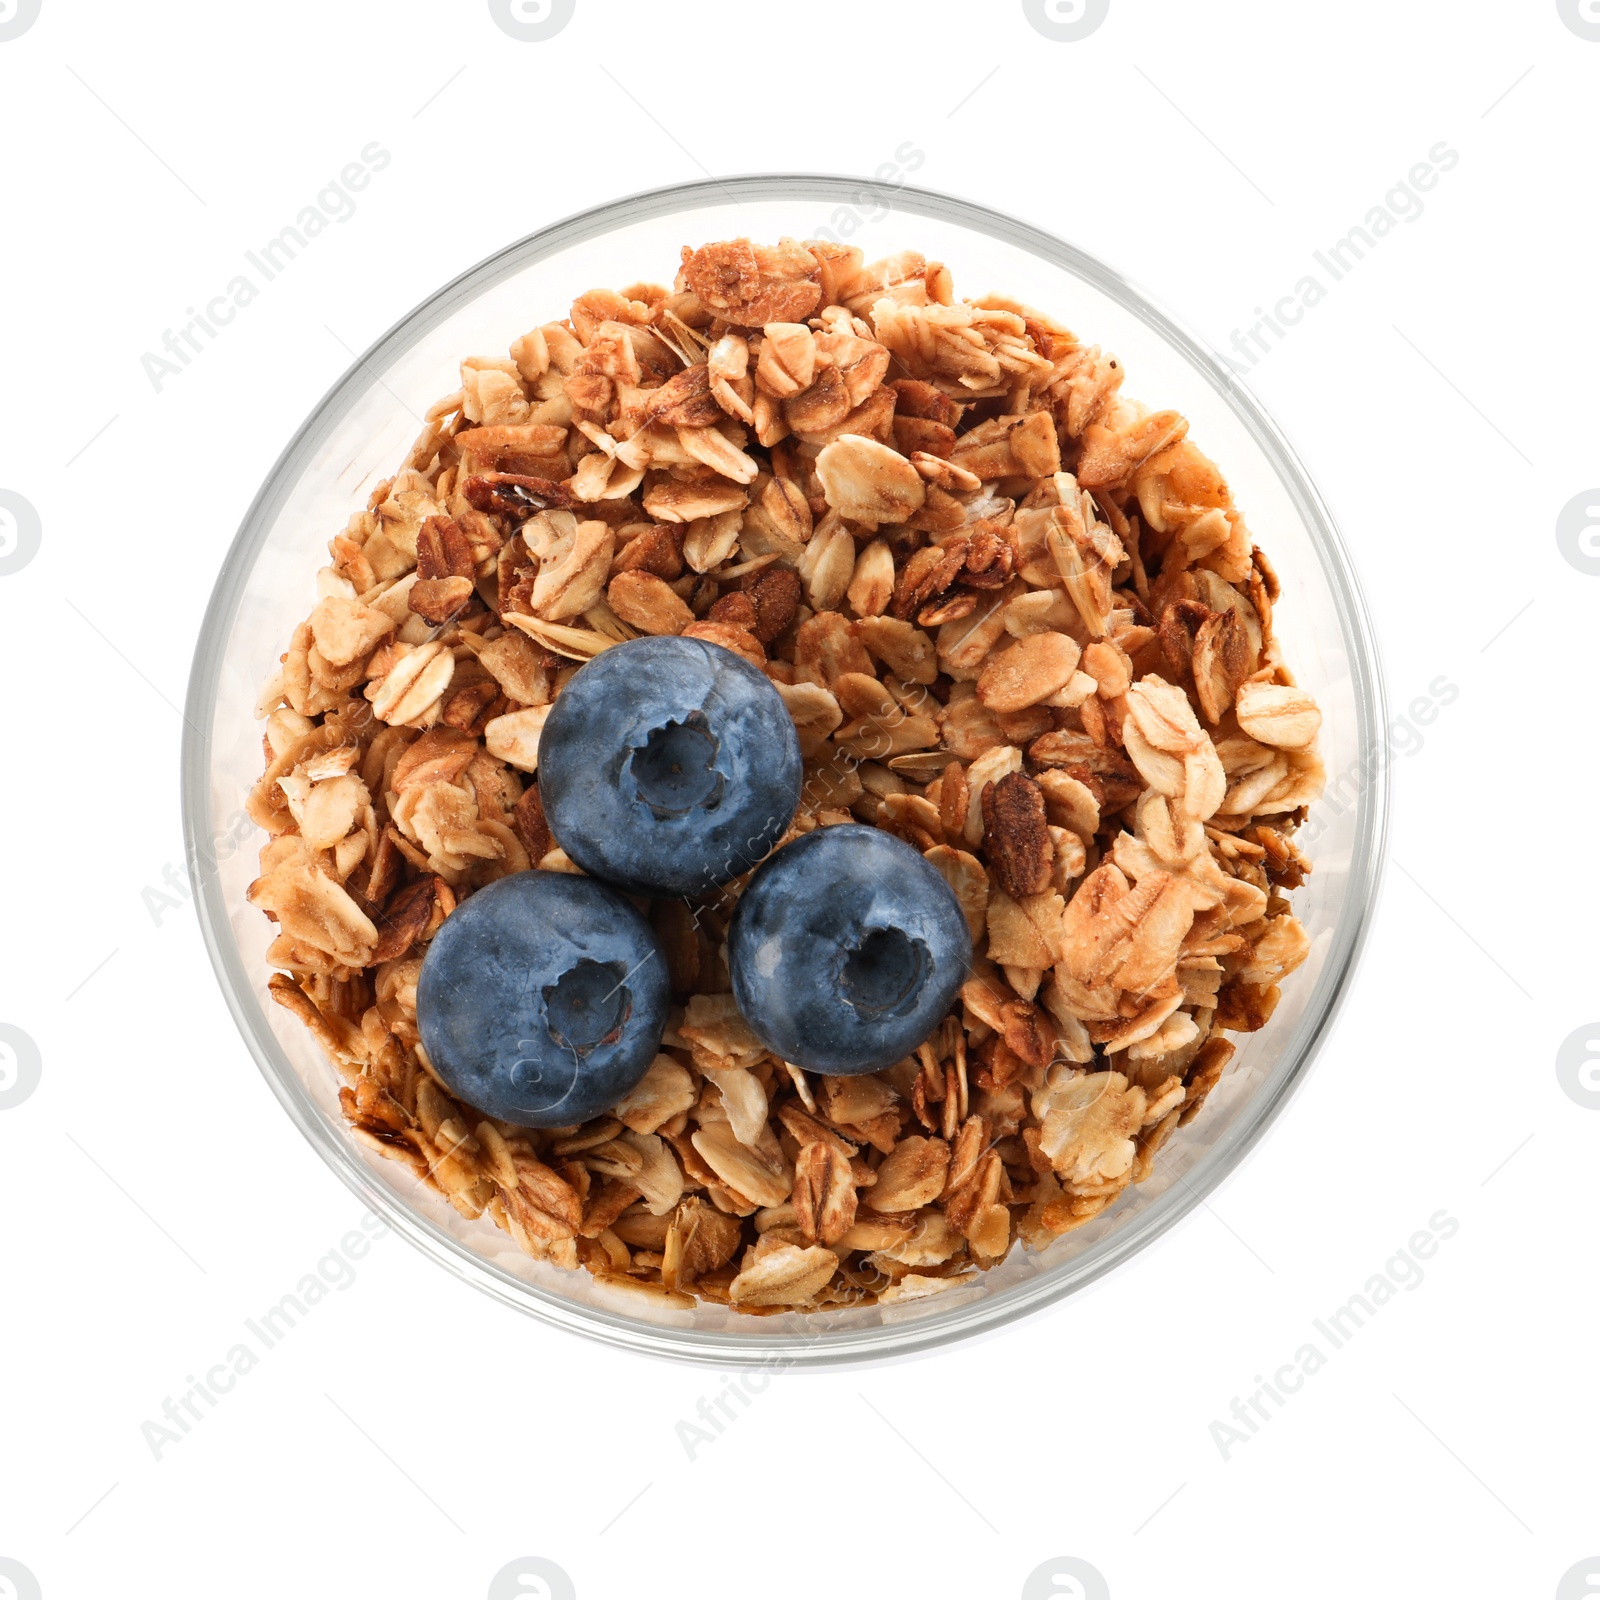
<point x="668" y="766"/>
<point x="542" y="999"/>
<point x="846" y="950"/>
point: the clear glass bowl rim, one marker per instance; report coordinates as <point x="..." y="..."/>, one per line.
<point x="762" y="1345"/>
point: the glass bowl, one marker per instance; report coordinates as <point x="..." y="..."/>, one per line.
<point x="359" y="434"/>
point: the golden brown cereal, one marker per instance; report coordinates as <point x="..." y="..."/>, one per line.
<point x="1016" y="619"/>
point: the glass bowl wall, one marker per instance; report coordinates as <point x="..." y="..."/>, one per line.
<point x="358" y="435"/>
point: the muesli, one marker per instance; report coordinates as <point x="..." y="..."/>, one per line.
<point x="1018" y="622"/>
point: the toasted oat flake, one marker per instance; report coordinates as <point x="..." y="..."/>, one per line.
<point x="1278" y="714"/>
<point x="1015" y="618"/>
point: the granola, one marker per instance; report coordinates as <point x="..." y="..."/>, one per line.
<point x="1017" y="620"/>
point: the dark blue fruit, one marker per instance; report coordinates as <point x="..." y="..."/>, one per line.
<point x="668" y="766"/>
<point x="846" y="950"/>
<point x="542" y="999"/>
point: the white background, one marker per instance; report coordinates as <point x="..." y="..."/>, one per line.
<point x="411" y="1437"/>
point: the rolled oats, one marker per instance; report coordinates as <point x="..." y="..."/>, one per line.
<point x="911" y="1175"/>
<point x="1036" y="667"/>
<point x="1016" y="619"/>
<point x="1277" y="714"/>
<point x="648" y="603"/>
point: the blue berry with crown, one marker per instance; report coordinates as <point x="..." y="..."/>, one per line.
<point x="542" y="999"/>
<point x="668" y="766"/>
<point x="846" y="951"/>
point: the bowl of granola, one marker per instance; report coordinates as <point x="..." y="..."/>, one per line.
<point x="1091" y="648"/>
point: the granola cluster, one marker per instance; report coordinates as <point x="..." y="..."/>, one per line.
<point x="1018" y="621"/>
